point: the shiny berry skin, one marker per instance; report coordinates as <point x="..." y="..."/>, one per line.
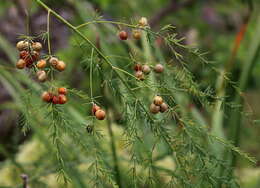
<point x="54" y="61"/>
<point x="22" y="45"/>
<point x="143" y="21"/>
<point x="100" y="114"/>
<point x="158" y="68"/>
<point x="46" y="96"/>
<point x="158" y="100"/>
<point x="61" y="66"/>
<point x="55" y="99"/>
<point x="136" y="34"/>
<point x="146" y="69"/>
<point x="41" y="75"/>
<point x="24" y="54"/>
<point x="154" y="108"/>
<point x="163" y="107"/>
<point x="95" y="108"/>
<point x="20" y="64"/>
<point x="62" y="90"/>
<point x="62" y="99"/>
<point x="123" y="35"/>
<point x="41" y="64"/>
<point x="37" y="46"/>
<point x="138" y="67"/>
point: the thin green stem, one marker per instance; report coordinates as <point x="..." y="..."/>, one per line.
<point x="91" y="75"/>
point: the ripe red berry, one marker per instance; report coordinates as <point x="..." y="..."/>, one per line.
<point x="100" y="114"/>
<point x="123" y="35"/>
<point x="55" y="99"/>
<point x="46" y="96"/>
<point x="158" y="68"/>
<point x="24" y="54"/>
<point x="41" y="64"/>
<point x="62" y="90"/>
<point x="163" y="107"/>
<point x="154" y="108"/>
<point x="62" y="99"/>
<point x="95" y="108"/>
<point x="136" y="34"/>
<point x="61" y="66"/>
<point x="20" y="64"/>
<point x="138" y="67"/>
<point x="158" y="100"/>
<point x="146" y="69"/>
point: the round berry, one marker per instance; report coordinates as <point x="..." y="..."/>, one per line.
<point x="158" y="68"/>
<point x="143" y="21"/>
<point x="123" y="35"/>
<point x="139" y="75"/>
<point x="54" y="61"/>
<point x="62" y="99"/>
<point x="154" y="108"/>
<point x="41" y="75"/>
<point x="46" y="96"/>
<point x="37" y="46"/>
<point x="62" y="90"/>
<point x="55" y="99"/>
<point x="41" y="64"/>
<point x="138" y="67"/>
<point x="163" y="107"/>
<point x="35" y="55"/>
<point x="24" y="54"/>
<point x="22" y="45"/>
<point x="61" y="66"/>
<point x="158" y="100"/>
<point x="20" y="64"/>
<point x="95" y="108"/>
<point x="146" y="69"/>
<point x="100" y="114"/>
<point x="136" y="34"/>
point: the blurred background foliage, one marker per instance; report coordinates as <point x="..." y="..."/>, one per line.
<point x="211" y="25"/>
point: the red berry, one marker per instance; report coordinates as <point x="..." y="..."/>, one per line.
<point x="62" y="90"/>
<point x="62" y="99"/>
<point x="55" y="99"/>
<point x="123" y="35"/>
<point x="138" y="67"/>
<point x="24" y="54"/>
<point x="100" y="114"/>
<point x="95" y="108"/>
<point x="46" y="96"/>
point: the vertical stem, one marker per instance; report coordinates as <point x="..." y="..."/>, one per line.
<point x="113" y="148"/>
<point x="48" y="31"/>
<point x="91" y="75"/>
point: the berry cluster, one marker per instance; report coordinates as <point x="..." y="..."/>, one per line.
<point x="141" y="70"/>
<point x="158" y="105"/>
<point x="29" y="53"/>
<point x="136" y="33"/>
<point x="98" y="112"/>
<point x="56" y="98"/>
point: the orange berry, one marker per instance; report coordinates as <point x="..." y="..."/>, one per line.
<point x="46" y="96"/>
<point x="100" y="114"/>
<point x="136" y="34"/>
<point x="20" y="64"/>
<point x="41" y="64"/>
<point x="61" y="66"/>
<point x="54" y="62"/>
<point x="62" y="99"/>
<point x="62" y="90"/>
<point x="95" y="108"/>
